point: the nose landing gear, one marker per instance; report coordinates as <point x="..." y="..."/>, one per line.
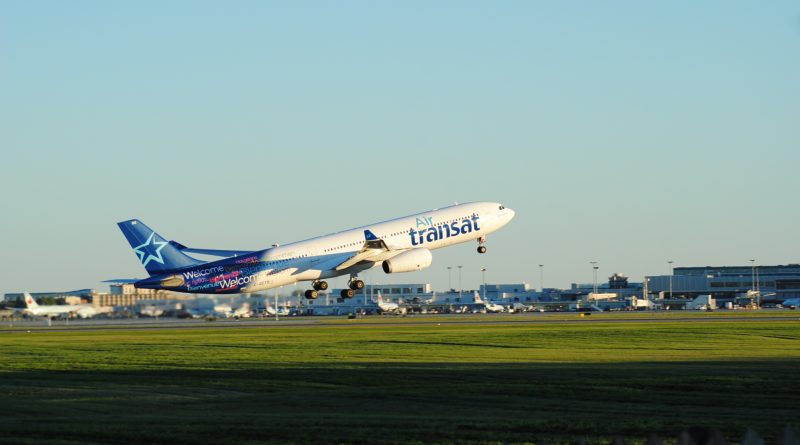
<point x="481" y="242"/>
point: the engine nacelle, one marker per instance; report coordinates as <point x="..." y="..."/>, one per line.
<point x="411" y="261"/>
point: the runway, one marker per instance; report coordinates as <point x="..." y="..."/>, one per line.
<point x="142" y="324"/>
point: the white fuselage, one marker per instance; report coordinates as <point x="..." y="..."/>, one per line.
<point x="491" y="307"/>
<point x="82" y="310"/>
<point x="318" y="258"/>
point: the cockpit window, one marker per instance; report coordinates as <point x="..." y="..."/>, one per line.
<point x="502" y="207"/>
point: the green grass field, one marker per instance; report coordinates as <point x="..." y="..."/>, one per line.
<point x="353" y="382"/>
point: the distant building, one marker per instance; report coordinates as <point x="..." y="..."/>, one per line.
<point x="776" y="283"/>
<point x="70" y="297"/>
<point x="125" y="294"/>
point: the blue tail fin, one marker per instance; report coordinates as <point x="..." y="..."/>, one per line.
<point x="156" y="254"/>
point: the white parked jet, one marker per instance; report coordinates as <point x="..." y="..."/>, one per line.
<point x="490" y="307"/>
<point x="242" y="311"/>
<point x="388" y="307"/>
<point x="81" y="310"/>
<point x="281" y="311"/>
<point x="151" y="311"/>
<point x="398" y="245"/>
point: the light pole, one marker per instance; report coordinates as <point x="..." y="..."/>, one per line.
<point x="541" y="276"/>
<point x="758" y="288"/>
<point x="449" y="279"/>
<point x="758" y="282"/>
<point x="670" y="279"/>
<point x="753" y="273"/>
<point x="483" y="271"/>
<point x="594" y="276"/>
<point x="459" y="281"/>
<point x="276" y="304"/>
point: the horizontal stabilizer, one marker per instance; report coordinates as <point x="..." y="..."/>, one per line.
<point x="123" y="280"/>
<point x="217" y="252"/>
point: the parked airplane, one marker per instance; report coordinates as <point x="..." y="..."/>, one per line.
<point x="398" y="245"/>
<point x="81" y="310"/>
<point x="388" y="307"/>
<point x="7" y="313"/>
<point x="269" y="310"/>
<point x="490" y="307"/>
<point x="791" y="303"/>
<point x="281" y="311"/>
<point x="223" y="310"/>
<point x="242" y="311"/>
<point x="151" y="311"/>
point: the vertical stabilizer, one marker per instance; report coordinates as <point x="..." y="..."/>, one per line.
<point x="156" y="254"/>
<point x="30" y="303"/>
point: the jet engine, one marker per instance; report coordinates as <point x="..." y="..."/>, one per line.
<point x="410" y="261"/>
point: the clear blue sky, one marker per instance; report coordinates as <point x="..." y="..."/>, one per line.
<point x="624" y="132"/>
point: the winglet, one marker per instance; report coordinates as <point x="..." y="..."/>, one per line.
<point x="370" y="236"/>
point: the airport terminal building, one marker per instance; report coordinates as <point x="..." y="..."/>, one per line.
<point x="731" y="286"/>
<point x="774" y="283"/>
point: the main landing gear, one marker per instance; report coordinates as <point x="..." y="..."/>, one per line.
<point x="312" y="294"/>
<point x="354" y="284"/>
<point x="320" y="285"/>
<point x="481" y="242"/>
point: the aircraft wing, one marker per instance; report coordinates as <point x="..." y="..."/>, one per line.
<point x="373" y="247"/>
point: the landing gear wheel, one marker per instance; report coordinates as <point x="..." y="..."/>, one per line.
<point x="348" y="293"/>
<point x="320" y="285"/>
<point x="481" y="247"/>
<point x="356" y="285"/>
<point x="312" y="294"/>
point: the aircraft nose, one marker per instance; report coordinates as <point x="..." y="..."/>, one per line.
<point x="511" y="214"/>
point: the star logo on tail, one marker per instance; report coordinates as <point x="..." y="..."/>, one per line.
<point x="152" y="249"/>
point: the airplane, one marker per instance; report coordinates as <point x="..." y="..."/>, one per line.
<point x="281" y="311"/>
<point x="242" y="311"/>
<point x="7" y="313"/>
<point x="223" y="310"/>
<point x="791" y="303"/>
<point x="490" y="307"/>
<point x="82" y="310"/>
<point x="388" y="307"/>
<point x="269" y="310"/>
<point x="151" y="311"/>
<point x="397" y="245"/>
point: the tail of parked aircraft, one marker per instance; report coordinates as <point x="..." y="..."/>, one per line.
<point x="156" y="254"/>
<point x="30" y="303"/>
